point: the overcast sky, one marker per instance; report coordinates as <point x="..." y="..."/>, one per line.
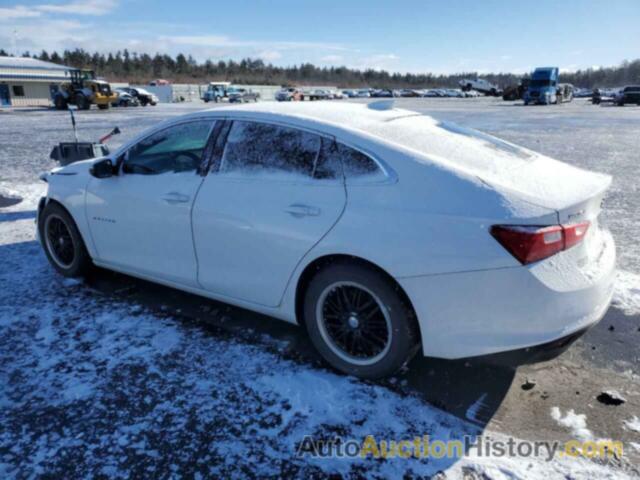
<point x="418" y="36"/>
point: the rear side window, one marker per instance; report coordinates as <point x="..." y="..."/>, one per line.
<point x="254" y="148"/>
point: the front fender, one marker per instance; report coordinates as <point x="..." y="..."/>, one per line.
<point x="68" y="187"/>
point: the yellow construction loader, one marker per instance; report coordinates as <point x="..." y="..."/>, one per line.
<point x="82" y="90"/>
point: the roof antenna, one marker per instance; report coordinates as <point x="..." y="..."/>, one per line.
<point x="381" y="105"/>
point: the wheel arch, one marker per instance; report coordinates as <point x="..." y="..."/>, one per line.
<point x="318" y="263"/>
<point x="48" y="201"/>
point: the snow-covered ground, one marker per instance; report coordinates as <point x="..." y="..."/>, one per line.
<point x="94" y="383"/>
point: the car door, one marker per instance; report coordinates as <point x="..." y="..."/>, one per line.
<point x="272" y="194"/>
<point x="140" y="219"/>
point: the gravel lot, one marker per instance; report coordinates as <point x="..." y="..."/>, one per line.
<point x="117" y="377"/>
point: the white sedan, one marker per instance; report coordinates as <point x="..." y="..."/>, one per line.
<point x="383" y="231"/>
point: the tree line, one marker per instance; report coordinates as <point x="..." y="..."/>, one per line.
<point x="133" y="67"/>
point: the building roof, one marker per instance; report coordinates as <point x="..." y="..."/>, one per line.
<point x="30" y="64"/>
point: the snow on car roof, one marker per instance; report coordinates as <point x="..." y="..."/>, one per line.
<point x="405" y="128"/>
<point x="470" y="153"/>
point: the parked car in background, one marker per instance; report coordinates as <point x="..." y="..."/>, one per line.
<point x="125" y="99"/>
<point x="242" y="95"/>
<point x="471" y="94"/>
<point x="481" y="85"/>
<point x="382" y="93"/>
<point x="454" y="93"/>
<point x="337" y="95"/>
<point x="432" y="92"/>
<point x="630" y="94"/>
<point x="350" y="93"/>
<point x="216" y="92"/>
<point x="301" y="213"/>
<point x="410" y="93"/>
<point x="159" y="82"/>
<point x="144" y="96"/>
<point x="319" y="94"/>
<point x="604" y="95"/>
<point x="582" y="93"/>
<point x="363" y="93"/>
<point x="289" y="94"/>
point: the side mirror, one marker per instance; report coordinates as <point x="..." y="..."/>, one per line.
<point x="102" y="169"/>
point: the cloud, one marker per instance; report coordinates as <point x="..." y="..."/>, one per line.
<point x="269" y="55"/>
<point x="225" y="41"/>
<point x="19" y="11"/>
<point x="78" y="7"/>
<point x="332" y="59"/>
<point x="378" y="61"/>
<point x="81" y="7"/>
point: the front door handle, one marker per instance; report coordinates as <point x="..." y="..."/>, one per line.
<point x="299" y="210"/>
<point x="175" y="197"/>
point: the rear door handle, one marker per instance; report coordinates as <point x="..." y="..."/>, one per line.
<point x="175" y="197"/>
<point x="299" y="210"/>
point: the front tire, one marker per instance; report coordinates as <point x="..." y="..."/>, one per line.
<point x="83" y="102"/>
<point x="60" y="102"/>
<point x="62" y="242"/>
<point x="358" y="321"/>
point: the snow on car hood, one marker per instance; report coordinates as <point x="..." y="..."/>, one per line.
<point x="504" y="166"/>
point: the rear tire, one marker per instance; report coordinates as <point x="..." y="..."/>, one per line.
<point x="62" y="242"/>
<point x="358" y="320"/>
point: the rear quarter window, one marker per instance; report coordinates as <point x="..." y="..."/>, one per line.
<point x="357" y="166"/>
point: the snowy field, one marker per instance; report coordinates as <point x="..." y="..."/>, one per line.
<point x="119" y="378"/>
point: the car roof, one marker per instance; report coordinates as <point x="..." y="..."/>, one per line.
<point x="333" y="116"/>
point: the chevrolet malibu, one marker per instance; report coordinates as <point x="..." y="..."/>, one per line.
<point x="381" y="231"/>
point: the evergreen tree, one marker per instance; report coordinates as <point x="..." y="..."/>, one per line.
<point x="142" y="67"/>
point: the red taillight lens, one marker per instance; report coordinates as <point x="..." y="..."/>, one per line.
<point x="573" y="234"/>
<point x="532" y="243"/>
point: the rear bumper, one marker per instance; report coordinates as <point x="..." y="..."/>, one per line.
<point x="471" y="314"/>
<point x="533" y="354"/>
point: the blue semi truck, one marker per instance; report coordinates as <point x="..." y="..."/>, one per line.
<point x="543" y="87"/>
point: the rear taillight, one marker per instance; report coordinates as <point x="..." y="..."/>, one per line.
<point x="532" y="243"/>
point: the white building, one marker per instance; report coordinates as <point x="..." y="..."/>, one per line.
<point x="27" y="82"/>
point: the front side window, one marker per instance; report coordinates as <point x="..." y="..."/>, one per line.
<point x="175" y="149"/>
<point x="18" y="91"/>
<point x="262" y="149"/>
